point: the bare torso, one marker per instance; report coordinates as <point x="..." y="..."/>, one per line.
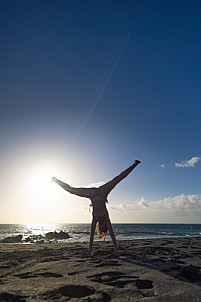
<point x="98" y="200"/>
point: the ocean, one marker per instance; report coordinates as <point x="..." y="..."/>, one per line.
<point x="81" y="232"/>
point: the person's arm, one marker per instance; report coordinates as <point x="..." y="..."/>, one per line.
<point x="93" y="227"/>
<point x="107" y="188"/>
<point x="82" y="192"/>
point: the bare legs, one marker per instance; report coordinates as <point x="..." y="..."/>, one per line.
<point x="107" y="188"/>
<point x="82" y="192"/>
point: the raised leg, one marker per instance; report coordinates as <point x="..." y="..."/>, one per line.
<point x="82" y="192"/>
<point x="107" y="188"/>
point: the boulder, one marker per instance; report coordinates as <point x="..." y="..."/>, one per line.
<point x="40" y="241"/>
<point x="55" y="235"/>
<point x="35" y="239"/>
<point x="14" y="239"/>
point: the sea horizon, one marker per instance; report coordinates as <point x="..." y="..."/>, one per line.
<point x="49" y="223"/>
<point x="80" y="232"/>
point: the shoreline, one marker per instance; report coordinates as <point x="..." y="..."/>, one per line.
<point x="96" y="239"/>
<point x="165" y="269"/>
<point x="81" y="233"/>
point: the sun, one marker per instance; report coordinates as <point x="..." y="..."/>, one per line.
<point x="38" y="187"/>
<point x="33" y="198"/>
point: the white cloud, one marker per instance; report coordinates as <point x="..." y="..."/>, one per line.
<point x="95" y="184"/>
<point x="188" y="163"/>
<point x="163" y="166"/>
<point x="142" y="203"/>
<point x="182" y="205"/>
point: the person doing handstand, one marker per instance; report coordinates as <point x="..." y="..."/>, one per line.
<point x="98" y="197"/>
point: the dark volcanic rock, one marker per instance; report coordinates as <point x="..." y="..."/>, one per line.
<point x="55" y="235"/>
<point x="15" y="239"/>
<point x="35" y="239"/>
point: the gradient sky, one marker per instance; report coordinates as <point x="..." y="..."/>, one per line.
<point x="86" y="88"/>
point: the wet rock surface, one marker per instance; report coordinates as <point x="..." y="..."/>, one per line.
<point x="56" y="235"/>
<point x="13" y="239"/>
<point x="38" y="239"/>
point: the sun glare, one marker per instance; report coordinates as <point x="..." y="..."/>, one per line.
<point x="40" y="200"/>
<point x="38" y="185"/>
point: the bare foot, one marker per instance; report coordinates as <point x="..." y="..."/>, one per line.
<point x="136" y="162"/>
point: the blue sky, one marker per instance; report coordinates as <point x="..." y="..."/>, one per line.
<point x="86" y="88"/>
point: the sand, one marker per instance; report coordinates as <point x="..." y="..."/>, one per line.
<point x="145" y="270"/>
